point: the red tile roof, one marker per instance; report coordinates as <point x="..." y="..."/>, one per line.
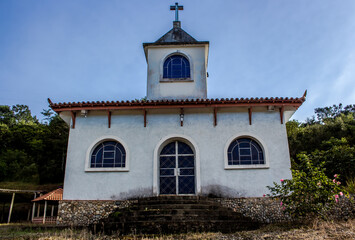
<point x="55" y="195"/>
<point x="173" y="103"/>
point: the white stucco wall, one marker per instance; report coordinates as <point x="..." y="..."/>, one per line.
<point x="157" y="88"/>
<point x="198" y="126"/>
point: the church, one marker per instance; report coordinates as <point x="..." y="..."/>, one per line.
<point x="176" y="141"/>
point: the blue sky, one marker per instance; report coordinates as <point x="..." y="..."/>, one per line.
<point x="86" y="50"/>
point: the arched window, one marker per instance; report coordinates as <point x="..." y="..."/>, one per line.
<point x="245" y="151"/>
<point x="176" y="66"/>
<point x="108" y="154"/>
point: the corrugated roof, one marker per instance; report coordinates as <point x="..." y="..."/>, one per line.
<point x="176" y="103"/>
<point x="55" y="195"/>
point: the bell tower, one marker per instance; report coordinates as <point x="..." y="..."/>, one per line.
<point x="177" y="64"/>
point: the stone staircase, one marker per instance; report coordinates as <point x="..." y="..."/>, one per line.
<point x="175" y="214"/>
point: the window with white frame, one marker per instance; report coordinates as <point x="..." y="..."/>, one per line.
<point x="245" y="151"/>
<point x="176" y="67"/>
<point x="108" y="154"/>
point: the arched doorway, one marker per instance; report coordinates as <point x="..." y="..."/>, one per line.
<point x="177" y="169"/>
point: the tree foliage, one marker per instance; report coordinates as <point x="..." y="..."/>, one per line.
<point x="29" y="150"/>
<point x="329" y="137"/>
<point x="320" y="149"/>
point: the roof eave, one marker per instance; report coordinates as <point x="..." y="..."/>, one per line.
<point x="155" y="44"/>
<point x="166" y="104"/>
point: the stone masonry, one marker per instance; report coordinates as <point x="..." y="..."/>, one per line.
<point x="263" y="210"/>
<point x="83" y="213"/>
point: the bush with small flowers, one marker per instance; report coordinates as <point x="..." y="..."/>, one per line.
<point x="310" y="192"/>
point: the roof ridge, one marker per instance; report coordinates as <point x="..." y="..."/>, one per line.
<point x="176" y="34"/>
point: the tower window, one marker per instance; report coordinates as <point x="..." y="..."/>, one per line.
<point x="176" y="66"/>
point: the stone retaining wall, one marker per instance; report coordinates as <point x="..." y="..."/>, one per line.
<point x="264" y="210"/>
<point x="83" y="213"/>
<point x="268" y="210"/>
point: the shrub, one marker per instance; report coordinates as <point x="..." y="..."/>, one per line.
<point x="310" y="192"/>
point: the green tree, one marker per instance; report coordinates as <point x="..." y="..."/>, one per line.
<point x="22" y="114"/>
<point x="6" y="115"/>
<point x="30" y="150"/>
<point x="338" y="156"/>
<point x="51" y="162"/>
<point x="330" y="138"/>
<point x="14" y="161"/>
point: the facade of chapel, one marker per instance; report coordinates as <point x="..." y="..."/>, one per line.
<point x="177" y="141"/>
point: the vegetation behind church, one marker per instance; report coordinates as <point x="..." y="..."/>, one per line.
<point x="30" y="150"/>
<point x="328" y="137"/>
<point x="34" y="151"/>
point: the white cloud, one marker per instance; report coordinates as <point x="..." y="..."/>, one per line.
<point x="343" y="87"/>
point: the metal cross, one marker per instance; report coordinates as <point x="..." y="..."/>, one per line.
<point x="176" y="7"/>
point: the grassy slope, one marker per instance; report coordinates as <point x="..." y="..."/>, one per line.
<point x="29" y="186"/>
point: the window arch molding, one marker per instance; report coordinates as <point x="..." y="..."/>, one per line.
<point x="258" y="140"/>
<point x="97" y="142"/>
<point x="161" y="144"/>
<point x="181" y="53"/>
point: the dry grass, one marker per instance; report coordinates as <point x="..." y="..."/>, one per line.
<point x="314" y="231"/>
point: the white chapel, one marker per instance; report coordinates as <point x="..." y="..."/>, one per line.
<point x="176" y="141"/>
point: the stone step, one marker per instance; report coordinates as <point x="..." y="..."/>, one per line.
<point x="176" y="206"/>
<point x="174" y="197"/>
<point x="157" y="227"/>
<point x="177" y="212"/>
<point x="184" y="212"/>
<point x="174" y="200"/>
<point x="174" y="214"/>
<point x="169" y="218"/>
<point x="178" y="215"/>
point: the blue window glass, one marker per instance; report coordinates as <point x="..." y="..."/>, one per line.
<point x="186" y="185"/>
<point x="167" y="172"/>
<point x="108" y="154"/>
<point x="176" y="66"/>
<point x="187" y="172"/>
<point x="183" y="148"/>
<point x="168" y="149"/>
<point x="186" y="161"/>
<point x="167" y="185"/>
<point x="245" y="151"/>
<point x="167" y="162"/>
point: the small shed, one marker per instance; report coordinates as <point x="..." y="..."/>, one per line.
<point x="52" y="199"/>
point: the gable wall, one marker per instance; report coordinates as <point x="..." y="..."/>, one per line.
<point x="198" y="126"/>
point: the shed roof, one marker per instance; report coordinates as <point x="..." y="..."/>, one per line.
<point x="55" y="195"/>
